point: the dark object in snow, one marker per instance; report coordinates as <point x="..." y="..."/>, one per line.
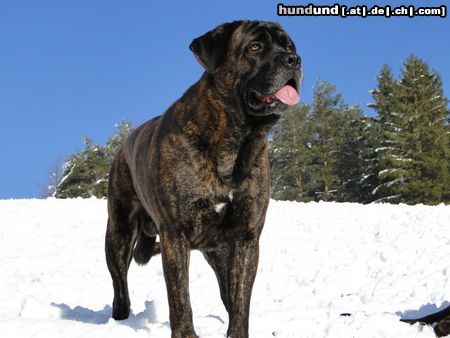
<point x="345" y="314"/>
<point x="198" y="176"/>
<point x="441" y="319"/>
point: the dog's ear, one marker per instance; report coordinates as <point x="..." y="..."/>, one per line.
<point x="210" y="49"/>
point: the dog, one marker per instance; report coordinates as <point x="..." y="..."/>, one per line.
<point x="198" y="176"/>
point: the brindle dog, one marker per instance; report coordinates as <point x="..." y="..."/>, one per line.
<point x="198" y="176"/>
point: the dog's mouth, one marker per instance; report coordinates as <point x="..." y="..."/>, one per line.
<point x="286" y="95"/>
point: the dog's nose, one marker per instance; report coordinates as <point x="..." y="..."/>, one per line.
<point x="291" y="60"/>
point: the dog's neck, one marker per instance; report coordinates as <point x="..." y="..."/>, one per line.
<point x="226" y="133"/>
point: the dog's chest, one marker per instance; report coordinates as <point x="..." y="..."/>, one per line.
<point x="226" y="163"/>
<point x="205" y="219"/>
<point x="228" y="151"/>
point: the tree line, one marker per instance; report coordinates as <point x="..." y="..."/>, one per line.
<point x="330" y="151"/>
<point x="85" y="173"/>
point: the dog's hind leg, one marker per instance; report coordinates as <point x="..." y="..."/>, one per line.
<point x="119" y="247"/>
<point x="121" y="235"/>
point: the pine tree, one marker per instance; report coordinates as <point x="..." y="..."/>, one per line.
<point x="413" y="148"/>
<point x="86" y="172"/>
<point x="124" y="129"/>
<point x="290" y="154"/>
<point x="446" y="194"/>
<point x="424" y="138"/>
<point x="370" y="140"/>
<point x="350" y="164"/>
<point x="387" y="171"/>
<point x="325" y="121"/>
<point x="317" y="154"/>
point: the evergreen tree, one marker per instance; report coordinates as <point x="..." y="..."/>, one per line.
<point x="446" y="194"/>
<point x="413" y="147"/>
<point x="290" y="152"/>
<point x="325" y="120"/>
<point x="350" y="164"/>
<point x="316" y="154"/>
<point x="370" y="139"/>
<point x="124" y="129"/>
<point x="86" y="172"/>
<point x="423" y="134"/>
<point x="386" y="170"/>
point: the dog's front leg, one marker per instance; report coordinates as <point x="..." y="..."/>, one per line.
<point x="242" y="271"/>
<point x="175" y="258"/>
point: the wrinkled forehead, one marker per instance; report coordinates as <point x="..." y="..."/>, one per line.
<point x="261" y="31"/>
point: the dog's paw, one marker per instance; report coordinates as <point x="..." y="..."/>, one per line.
<point x="121" y="311"/>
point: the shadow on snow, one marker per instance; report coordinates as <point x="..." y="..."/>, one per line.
<point x="81" y="314"/>
<point x="423" y="311"/>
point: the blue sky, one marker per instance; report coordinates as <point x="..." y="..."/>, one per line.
<point x="70" y="69"/>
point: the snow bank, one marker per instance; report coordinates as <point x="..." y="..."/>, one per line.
<point x="374" y="263"/>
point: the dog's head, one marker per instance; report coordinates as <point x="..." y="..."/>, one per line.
<point x="254" y="60"/>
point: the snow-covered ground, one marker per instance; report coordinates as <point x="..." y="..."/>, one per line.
<point x="377" y="263"/>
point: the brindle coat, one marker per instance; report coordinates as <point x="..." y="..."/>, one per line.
<point x="198" y="176"/>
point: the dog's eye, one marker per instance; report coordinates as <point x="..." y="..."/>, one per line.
<point x="255" y="47"/>
<point x="290" y="48"/>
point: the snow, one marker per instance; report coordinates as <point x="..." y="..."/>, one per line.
<point x="101" y="180"/>
<point x="386" y="172"/>
<point x="438" y="107"/>
<point x="365" y="177"/>
<point x="378" y="263"/>
<point x="64" y="178"/>
<point x="401" y="159"/>
<point x="384" y="149"/>
<point x="398" y="180"/>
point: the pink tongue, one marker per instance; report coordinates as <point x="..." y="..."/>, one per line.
<point x="287" y="95"/>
